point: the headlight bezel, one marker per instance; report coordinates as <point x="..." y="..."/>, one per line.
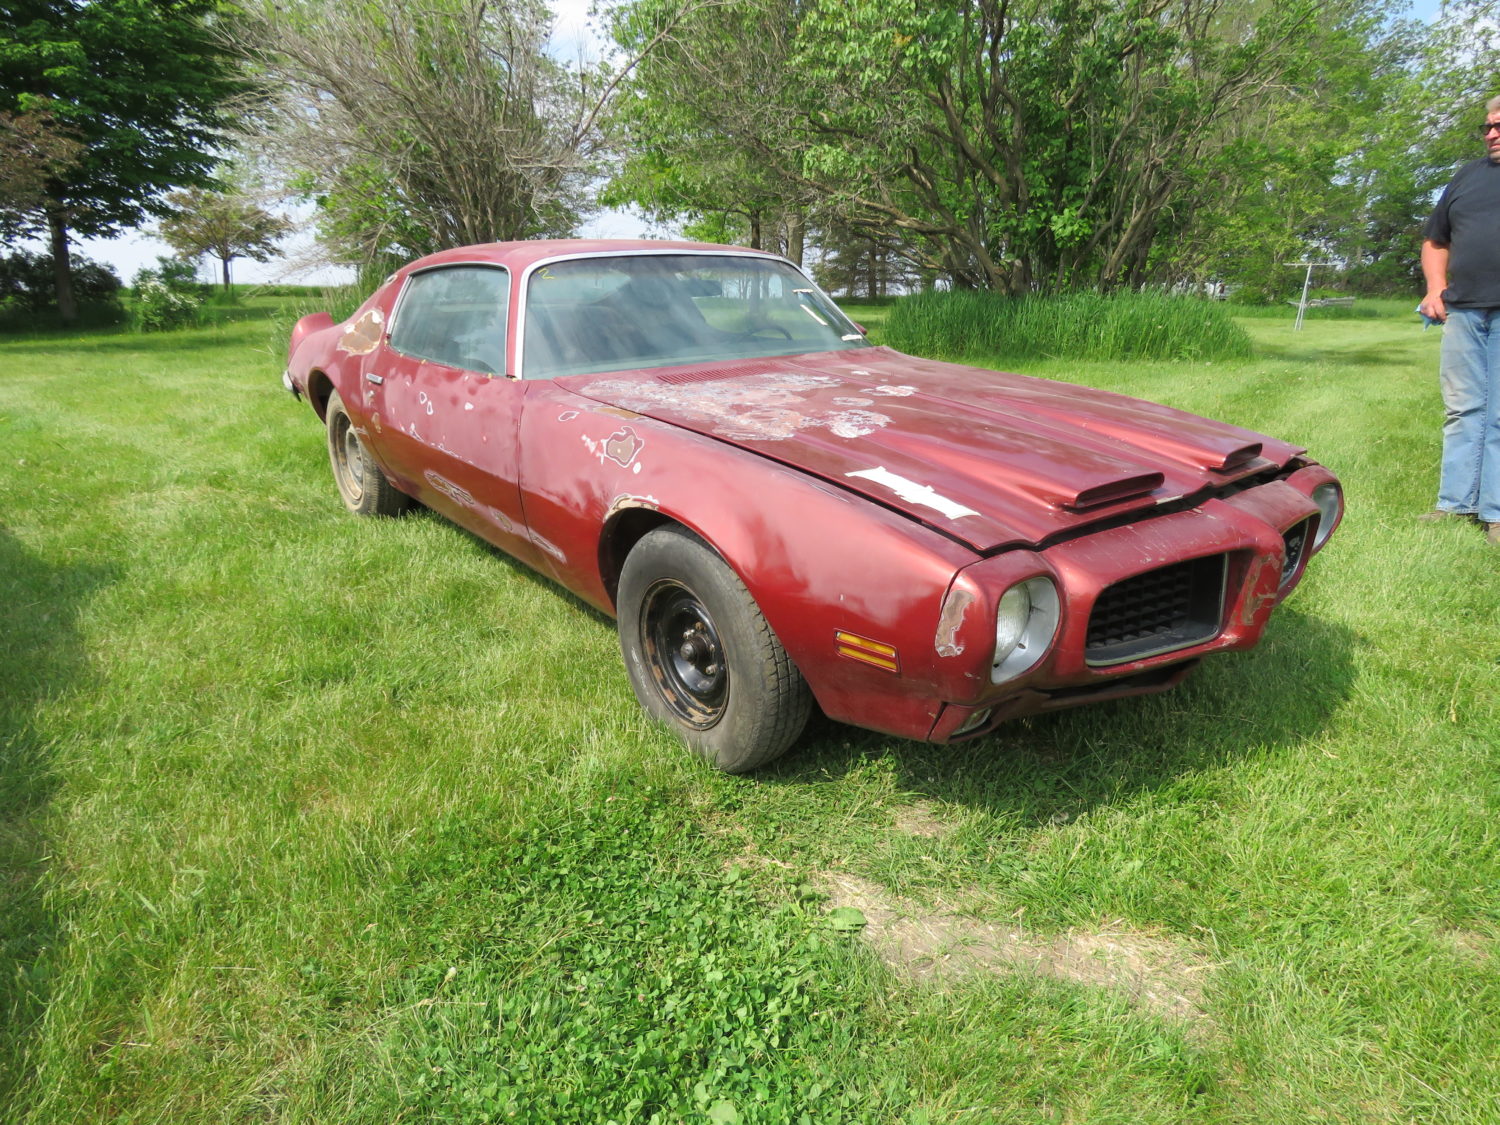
<point x="1028" y="634"/>
<point x="1329" y="497"/>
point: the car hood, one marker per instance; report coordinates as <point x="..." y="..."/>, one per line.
<point x="988" y="458"/>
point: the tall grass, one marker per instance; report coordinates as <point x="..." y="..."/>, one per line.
<point x="1087" y="326"/>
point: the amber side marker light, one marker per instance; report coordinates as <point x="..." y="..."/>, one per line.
<point x="854" y="647"/>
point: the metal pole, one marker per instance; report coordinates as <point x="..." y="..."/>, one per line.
<point x="1302" y="305"/>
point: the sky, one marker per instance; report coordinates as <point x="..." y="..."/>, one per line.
<point x="572" y="35"/>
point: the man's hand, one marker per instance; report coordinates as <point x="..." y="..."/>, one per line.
<point x="1435" y="272"/>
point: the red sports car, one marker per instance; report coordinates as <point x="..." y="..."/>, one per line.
<point x="697" y="441"/>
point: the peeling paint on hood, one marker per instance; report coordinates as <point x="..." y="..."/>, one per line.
<point x="991" y="459"/>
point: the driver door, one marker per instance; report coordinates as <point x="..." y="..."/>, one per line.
<point x="448" y="416"/>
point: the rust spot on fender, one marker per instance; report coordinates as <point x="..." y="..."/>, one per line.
<point x="1258" y="602"/>
<point x="457" y="493"/>
<point x="363" y="336"/>
<point x="616" y="412"/>
<point x="548" y="546"/>
<point x="955" y="605"/>
<point x="620" y="503"/>
<point x="620" y="447"/>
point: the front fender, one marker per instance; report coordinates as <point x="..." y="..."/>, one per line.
<point x="853" y="590"/>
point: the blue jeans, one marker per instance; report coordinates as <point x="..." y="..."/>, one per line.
<point x="1470" y="375"/>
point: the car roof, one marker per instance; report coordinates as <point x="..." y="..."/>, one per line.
<point x="520" y="255"/>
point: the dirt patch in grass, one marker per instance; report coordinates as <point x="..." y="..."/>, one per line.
<point x="1160" y="975"/>
<point x="1471" y="946"/>
<point x="920" y="819"/>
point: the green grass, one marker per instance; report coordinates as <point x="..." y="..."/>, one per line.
<point x="307" y="818"/>
<point x="1364" y="308"/>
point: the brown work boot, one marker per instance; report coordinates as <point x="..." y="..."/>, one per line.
<point x="1440" y="515"/>
<point x="1492" y="534"/>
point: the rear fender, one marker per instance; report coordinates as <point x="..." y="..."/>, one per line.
<point x="304" y="328"/>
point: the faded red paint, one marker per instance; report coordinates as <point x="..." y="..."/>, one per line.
<point x="863" y="493"/>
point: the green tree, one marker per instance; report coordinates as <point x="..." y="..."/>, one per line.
<point x="222" y="225"/>
<point x="1428" y="128"/>
<point x="857" y="263"/>
<point x="692" y="134"/>
<point x="1054" y="144"/>
<point x="1293" y="181"/>
<point x="141" y="85"/>
<point x="1021" y="146"/>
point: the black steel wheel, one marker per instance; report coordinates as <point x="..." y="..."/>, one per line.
<point x="362" y="486"/>
<point x="685" y="653"/>
<point x="702" y="658"/>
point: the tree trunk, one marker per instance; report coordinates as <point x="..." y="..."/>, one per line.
<point x="62" y="269"/>
<point x="755" y="230"/>
<point x="796" y="233"/>
<point x="225" y="261"/>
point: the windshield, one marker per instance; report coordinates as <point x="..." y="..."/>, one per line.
<point x="659" y="310"/>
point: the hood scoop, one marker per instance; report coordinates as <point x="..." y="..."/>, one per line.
<point x="1239" y="457"/>
<point x="1102" y="494"/>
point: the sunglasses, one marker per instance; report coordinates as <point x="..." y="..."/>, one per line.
<point x="1488" y="127"/>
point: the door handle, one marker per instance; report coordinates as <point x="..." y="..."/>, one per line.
<point x="376" y="379"/>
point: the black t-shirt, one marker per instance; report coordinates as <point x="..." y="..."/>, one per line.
<point x="1467" y="221"/>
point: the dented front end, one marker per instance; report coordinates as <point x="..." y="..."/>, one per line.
<point x="1139" y="604"/>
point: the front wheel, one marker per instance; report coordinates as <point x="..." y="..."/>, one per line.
<point x="362" y="486"/>
<point x="700" y="656"/>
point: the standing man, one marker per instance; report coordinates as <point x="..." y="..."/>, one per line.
<point x="1461" y="263"/>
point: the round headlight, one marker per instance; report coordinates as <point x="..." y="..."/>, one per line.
<point x="1330" y="501"/>
<point x="1011" y="619"/>
<point x="1026" y="622"/>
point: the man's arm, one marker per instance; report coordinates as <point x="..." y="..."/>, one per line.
<point x="1435" y="270"/>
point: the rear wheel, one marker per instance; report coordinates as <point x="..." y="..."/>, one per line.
<point x="702" y="659"/>
<point x="362" y="486"/>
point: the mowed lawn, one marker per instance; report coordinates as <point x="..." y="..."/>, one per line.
<point x="310" y="818"/>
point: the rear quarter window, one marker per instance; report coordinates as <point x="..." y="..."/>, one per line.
<point x="455" y="315"/>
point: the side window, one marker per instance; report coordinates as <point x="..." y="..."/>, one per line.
<point x="455" y="315"/>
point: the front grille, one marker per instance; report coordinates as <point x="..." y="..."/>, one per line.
<point x="1155" y="612"/>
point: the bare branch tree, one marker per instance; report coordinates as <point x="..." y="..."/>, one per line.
<point x="422" y="124"/>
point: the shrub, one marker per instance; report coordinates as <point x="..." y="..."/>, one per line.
<point x="28" y="293"/>
<point x="168" y="296"/>
<point x="1084" y="326"/>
